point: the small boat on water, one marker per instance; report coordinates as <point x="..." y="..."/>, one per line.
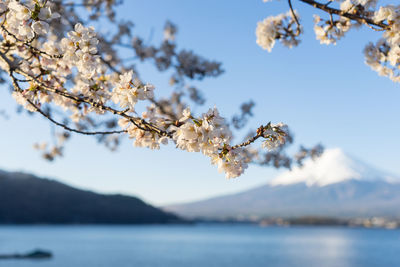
<point x="35" y="254"/>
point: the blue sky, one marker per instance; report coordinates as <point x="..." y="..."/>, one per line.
<point x="324" y="93"/>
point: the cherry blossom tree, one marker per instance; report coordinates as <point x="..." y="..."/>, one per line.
<point x="61" y="68"/>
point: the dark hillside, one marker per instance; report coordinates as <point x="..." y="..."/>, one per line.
<point x="26" y="199"/>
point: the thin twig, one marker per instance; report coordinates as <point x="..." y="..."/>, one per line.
<point x="295" y="18"/>
<point x="260" y="132"/>
<point x="68" y="128"/>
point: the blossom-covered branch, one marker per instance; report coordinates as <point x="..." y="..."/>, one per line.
<point x="69" y="73"/>
<point x="340" y="17"/>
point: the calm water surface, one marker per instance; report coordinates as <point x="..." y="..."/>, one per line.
<point x="202" y="245"/>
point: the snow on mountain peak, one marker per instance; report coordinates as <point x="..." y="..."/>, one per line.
<point x="333" y="166"/>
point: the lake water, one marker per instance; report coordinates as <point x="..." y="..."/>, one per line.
<point x="202" y="245"/>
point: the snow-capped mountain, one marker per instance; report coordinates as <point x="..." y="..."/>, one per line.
<point x="334" y="166"/>
<point x="335" y="185"/>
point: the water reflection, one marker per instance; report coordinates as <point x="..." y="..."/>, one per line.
<point x="203" y="245"/>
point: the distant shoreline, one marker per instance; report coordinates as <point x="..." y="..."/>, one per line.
<point x="296" y="222"/>
<point x="374" y="222"/>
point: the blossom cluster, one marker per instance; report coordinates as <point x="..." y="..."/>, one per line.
<point x="280" y="27"/>
<point x="128" y="91"/>
<point x="328" y="32"/>
<point x="25" y="20"/>
<point x="79" y="49"/>
<point x="275" y="136"/>
<point x="384" y="56"/>
<point x="143" y="137"/>
<point x="210" y="135"/>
